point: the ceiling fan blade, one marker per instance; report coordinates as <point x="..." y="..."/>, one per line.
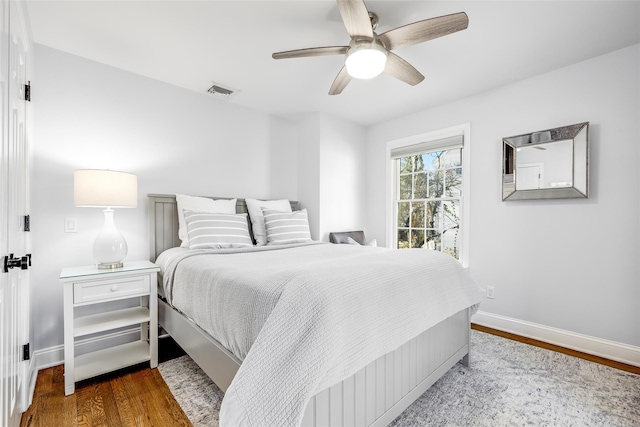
<point x="341" y="81"/>
<point x="356" y="19"/>
<point x="423" y="31"/>
<point x="402" y="70"/>
<point x="312" y="51"/>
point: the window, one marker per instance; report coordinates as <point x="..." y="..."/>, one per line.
<point x="428" y="187"/>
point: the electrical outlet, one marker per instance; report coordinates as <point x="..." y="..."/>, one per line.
<point x="490" y="292"/>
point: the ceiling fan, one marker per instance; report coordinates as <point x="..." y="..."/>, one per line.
<point x="369" y="54"/>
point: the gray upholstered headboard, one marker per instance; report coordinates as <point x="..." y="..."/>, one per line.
<point x="163" y="221"/>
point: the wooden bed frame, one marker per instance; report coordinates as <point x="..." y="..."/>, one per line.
<point x="374" y="396"/>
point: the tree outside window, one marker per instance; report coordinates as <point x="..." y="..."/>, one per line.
<point x="429" y="193"/>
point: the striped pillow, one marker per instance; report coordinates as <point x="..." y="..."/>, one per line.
<point x="199" y="204"/>
<point x="217" y="230"/>
<point x="286" y="227"/>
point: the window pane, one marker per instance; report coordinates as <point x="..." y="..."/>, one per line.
<point x="453" y="182"/>
<point x="403" y="239"/>
<point x="432" y="240"/>
<point x="405" y="186"/>
<point x="432" y="160"/>
<point x="450" y="214"/>
<point x="406" y="164"/>
<point x="421" y="188"/>
<point x="450" y="243"/>
<point x="417" y="238"/>
<point x="417" y="215"/>
<point x="403" y="214"/>
<point x="424" y="219"/>
<point x="435" y="184"/>
<point x="432" y="215"/>
<point x="450" y="158"/>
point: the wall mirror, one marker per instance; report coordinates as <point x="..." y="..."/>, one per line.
<point x="550" y="164"/>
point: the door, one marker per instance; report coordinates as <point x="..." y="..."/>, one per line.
<point x="528" y="177"/>
<point x="14" y="238"/>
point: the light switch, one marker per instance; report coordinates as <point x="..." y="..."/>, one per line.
<point x="70" y="225"/>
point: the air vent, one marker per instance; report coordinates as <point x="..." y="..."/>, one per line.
<point x="222" y="92"/>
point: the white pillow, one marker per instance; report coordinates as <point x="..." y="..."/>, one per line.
<point x="372" y="242"/>
<point x="257" y="219"/>
<point x="286" y="227"/>
<point x="199" y="204"/>
<point x="350" y="241"/>
<point x="217" y="230"/>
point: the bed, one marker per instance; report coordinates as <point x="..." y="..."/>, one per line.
<point x="372" y="394"/>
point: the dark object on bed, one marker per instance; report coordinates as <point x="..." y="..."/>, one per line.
<point x="343" y="237"/>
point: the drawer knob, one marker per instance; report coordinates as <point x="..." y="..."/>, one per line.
<point x="114" y="288"/>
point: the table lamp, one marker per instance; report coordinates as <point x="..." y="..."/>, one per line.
<point x="106" y="189"/>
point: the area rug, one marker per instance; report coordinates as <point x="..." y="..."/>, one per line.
<point x="508" y="384"/>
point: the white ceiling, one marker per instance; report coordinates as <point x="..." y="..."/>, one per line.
<point x="194" y="43"/>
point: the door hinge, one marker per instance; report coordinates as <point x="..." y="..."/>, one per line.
<point x="27" y="223"/>
<point x="26" y="354"/>
<point x="27" y="91"/>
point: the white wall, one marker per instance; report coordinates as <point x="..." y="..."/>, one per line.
<point x="342" y="177"/>
<point x="331" y="174"/>
<point x="88" y="115"/>
<point x="309" y="168"/>
<point x="578" y="270"/>
<point x="567" y="264"/>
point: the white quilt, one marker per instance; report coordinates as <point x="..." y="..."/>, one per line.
<point x="304" y="318"/>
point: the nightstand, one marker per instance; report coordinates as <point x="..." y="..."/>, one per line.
<point x="89" y="285"/>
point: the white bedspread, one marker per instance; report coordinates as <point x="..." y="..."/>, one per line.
<point x="303" y="318"/>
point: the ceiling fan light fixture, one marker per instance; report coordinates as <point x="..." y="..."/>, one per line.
<point x="369" y="54"/>
<point x="366" y="61"/>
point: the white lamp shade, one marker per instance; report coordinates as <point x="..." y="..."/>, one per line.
<point x="105" y="188"/>
<point x="365" y="62"/>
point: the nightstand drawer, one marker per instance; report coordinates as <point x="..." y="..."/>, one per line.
<point x="99" y="290"/>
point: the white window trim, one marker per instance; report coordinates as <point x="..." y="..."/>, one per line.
<point x="465" y="131"/>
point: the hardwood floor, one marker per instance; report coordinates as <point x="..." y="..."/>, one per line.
<point x="136" y="397"/>
<point x="139" y="397"/>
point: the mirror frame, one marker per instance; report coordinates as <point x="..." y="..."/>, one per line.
<point x="578" y="134"/>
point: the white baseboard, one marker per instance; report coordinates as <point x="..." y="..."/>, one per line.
<point x="47" y="357"/>
<point x="53" y="356"/>
<point x="595" y="346"/>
